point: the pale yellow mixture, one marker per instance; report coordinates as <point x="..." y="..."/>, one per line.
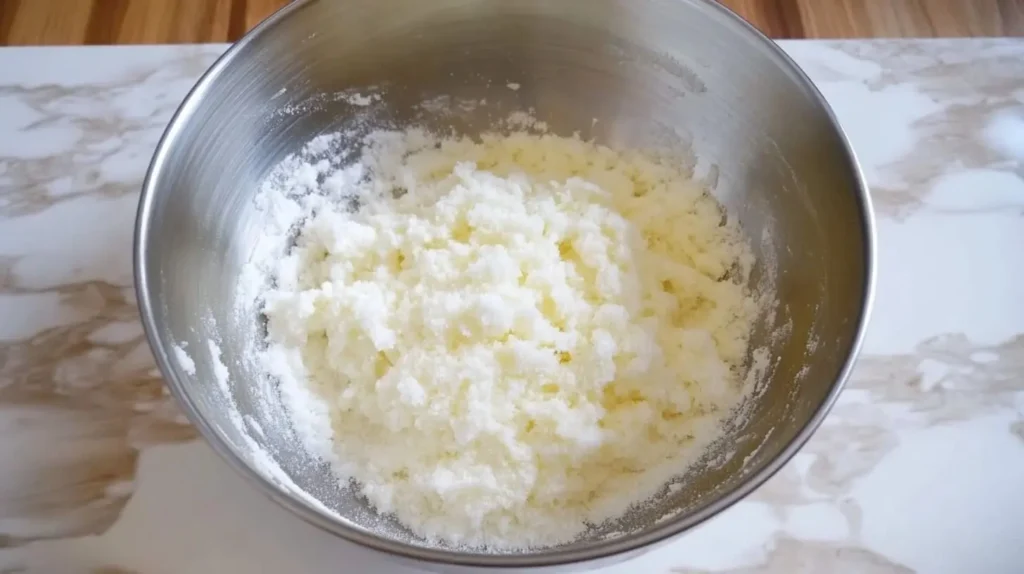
<point x="535" y="334"/>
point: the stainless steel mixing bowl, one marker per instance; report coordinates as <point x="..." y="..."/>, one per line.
<point x="682" y="73"/>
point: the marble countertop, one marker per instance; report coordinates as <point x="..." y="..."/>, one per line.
<point x="919" y="468"/>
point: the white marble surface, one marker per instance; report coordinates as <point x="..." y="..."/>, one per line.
<point x="919" y="468"/>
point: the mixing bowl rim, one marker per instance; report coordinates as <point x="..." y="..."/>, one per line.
<point x="541" y="557"/>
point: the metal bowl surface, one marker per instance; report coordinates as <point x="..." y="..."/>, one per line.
<point x="628" y="73"/>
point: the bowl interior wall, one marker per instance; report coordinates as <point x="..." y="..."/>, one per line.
<point x="626" y="73"/>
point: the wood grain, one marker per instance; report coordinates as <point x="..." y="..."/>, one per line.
<point x="913" y="18"/>
<point x="779" y="19"/>
<point x="40" y="22"/>
<point x="69" y="22"/>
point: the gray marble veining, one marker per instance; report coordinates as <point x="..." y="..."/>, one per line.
<point x="917" y="469"/>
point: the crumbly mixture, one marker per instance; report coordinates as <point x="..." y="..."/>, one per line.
<point x="504" y="341"/>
